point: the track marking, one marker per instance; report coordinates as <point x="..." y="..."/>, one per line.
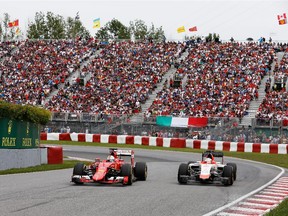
<point x="214" y="212"/>
<point x="80" y="159"/>
<point x="260" y="203"/>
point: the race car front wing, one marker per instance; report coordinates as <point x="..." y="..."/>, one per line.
<point x="87" y="179"/>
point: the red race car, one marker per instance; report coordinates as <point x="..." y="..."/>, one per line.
<point x="112" y="170"/>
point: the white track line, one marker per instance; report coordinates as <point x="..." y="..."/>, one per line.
<point x="80" y="159"/>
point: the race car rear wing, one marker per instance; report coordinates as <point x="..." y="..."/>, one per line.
<point x="215" y="154"/>
<point x="121" y="152"/>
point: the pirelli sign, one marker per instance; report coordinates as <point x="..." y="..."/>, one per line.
<point x="18" y="134"/>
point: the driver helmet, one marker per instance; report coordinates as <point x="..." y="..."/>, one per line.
<point x="208" y="160"/>
<point x="110" y="158"/>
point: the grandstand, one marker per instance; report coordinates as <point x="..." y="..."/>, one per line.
<point x="121" y="87"/>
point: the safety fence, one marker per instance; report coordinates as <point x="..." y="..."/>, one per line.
<point x="169" y="142"/>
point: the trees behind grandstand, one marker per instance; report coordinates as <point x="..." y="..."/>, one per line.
<point x="137" y="29"/>
<point x="51" y="26"/>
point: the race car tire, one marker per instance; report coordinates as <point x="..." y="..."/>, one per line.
<point x="234" y="169"/>
<point x="228" y="173"/>
<point x="140" y="171"/>
<point x="79" y="169"/>
<point x="183" y="170"/>
<point x="126" y="170"/>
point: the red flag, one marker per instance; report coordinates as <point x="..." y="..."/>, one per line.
<point x="193" y="29"/>
<point x="197" y="121"/>
<point x="13" y="24"/>
<point x="282" y="19"/>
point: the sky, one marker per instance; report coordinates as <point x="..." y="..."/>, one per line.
<point x="239" y="19"/>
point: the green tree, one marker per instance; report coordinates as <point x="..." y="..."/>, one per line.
<point x="216" y="38"/>
<point x="156" y="33"/>
<point x="113" y="30"/>
<point x="159" y="34"/>
<point x="75" y="28"/>
<point x="55" y="27"/>
<point x="138" y="29"/>
<point x="102" y="34"/>
<point x="38" y="29"/>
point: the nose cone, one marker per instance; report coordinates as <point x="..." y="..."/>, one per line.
<point x="100" y="174"/>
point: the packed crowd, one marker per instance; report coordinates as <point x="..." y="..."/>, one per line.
<point x="33" y="69"/>
<point x="275" y="103"/>
<point x="218" y="79"/>
<point x="122" y="77"/>
<point x="222" y="79"/>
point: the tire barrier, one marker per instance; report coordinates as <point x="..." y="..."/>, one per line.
<point x="52" y="154"/>
<point x="169" y="142"/>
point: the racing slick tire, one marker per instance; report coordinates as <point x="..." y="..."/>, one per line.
<point x="234" y="169"/>
<point x="183" y="170"/>
<point x="140" y="171"/>
<point x="79" y="169"/>
<point x="228" y="173"/>
<point x="126" y="170"/>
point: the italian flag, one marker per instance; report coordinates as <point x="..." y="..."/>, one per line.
<point x="170" y="121"/>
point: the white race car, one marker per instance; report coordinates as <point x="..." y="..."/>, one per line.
<point x="208" y="170"/>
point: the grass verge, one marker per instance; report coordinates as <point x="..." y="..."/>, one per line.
<point x="280" y="210"/>
<point x="44" y="167"/>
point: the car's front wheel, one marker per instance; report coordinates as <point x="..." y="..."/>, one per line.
<point x="79" y="169"/>
<point x="140" y="171"/>
<point x="234" y="169"/>
<point x="126" y="170"/>
<point x="228" y="175"/>
<point x="182" y="171"/>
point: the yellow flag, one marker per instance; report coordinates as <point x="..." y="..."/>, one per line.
<point x="181" y="29"/>
<point x="96" y="23"/>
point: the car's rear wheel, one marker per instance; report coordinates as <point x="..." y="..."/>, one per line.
<point x="140" y="171"/>
<point x="228" y="173"/>
<point x="183" y="170"/>
<point x="234" y="169"/>
<point x="126" y="170"/>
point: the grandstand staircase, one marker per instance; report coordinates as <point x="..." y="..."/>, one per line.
<point x="139" y="117"/>
<point x="254" y="105"/>
<point x="72" y="75"/>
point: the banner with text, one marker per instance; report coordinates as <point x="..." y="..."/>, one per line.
<point x="16" y="134"/>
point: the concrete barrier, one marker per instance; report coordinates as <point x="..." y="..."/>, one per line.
<point x="20" y="158"/>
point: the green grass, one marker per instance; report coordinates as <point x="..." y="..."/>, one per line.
<point x="275" y="159"/>
<point x="281" y="210"/>
<point x="44" y="167"/>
